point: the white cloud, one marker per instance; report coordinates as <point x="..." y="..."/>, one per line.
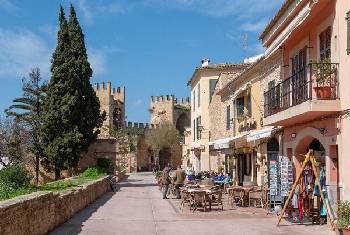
<point x="98" y="60"/>
<point x="21" y="50"/>
<point x="114" y="8"/>
<point x="8" y="6"/>
<point x="90" y="11"/>
<point x="244" y="8"/>
<point x="257" y="26"/>
<point x="87" y="13"/>
<point x="138" y="102"/>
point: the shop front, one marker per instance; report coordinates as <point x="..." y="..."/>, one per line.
<point x="321" y="140"/>
<point x="221" y="155"/>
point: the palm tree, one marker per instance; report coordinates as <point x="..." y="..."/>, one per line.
<point x="28" y="110"/>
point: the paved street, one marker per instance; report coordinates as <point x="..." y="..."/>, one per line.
<point x="137" y="208"/>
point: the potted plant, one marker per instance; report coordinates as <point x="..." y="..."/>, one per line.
<point x="343" y="220"/>
<point x="323" y="71"/>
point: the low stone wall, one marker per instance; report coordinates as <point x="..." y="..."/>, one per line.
<point x="40" y="212"/>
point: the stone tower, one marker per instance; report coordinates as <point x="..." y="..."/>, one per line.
<point x="167" y="108"/>
<point x="112" y="101"/>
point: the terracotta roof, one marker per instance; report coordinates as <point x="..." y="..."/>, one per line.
<point x="274" y="20"/>
<point x="216" y="66"/>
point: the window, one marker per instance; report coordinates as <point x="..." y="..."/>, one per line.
<point x="212" y="85"/>
<point x="194" y="129"/>
<point x="240" y="106"/>
<point x="325" y="44"/>
<point x="194" y="100"/>
<point x="249" y="104"/>
<point x="198" y="122"/>
<point x="199" y="94"/>
<point x="228" y="117"/>
<point x="348" y="21"/>
<point x="271" y="84"/>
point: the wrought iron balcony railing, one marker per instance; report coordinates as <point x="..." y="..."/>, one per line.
<point x="315" y="81"/>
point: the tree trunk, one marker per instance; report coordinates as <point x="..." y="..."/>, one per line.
<point x="37" y="170"/>
<point x="57" y="174"/>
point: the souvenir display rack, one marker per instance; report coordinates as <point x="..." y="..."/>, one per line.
<point x="309" y="161"/>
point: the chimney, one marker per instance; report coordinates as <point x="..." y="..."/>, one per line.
<point x="205" y="62"/>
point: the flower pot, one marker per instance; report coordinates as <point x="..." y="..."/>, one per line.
<point x="323" y="92"/>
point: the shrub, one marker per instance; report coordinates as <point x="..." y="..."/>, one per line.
<point x="14" y="176"/>
<point x="93" y="172"/>
<point x="343" y="214"/>
<point x="103" y="164"/>
<point x="158" y="174"/>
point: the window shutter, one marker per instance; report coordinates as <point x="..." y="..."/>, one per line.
<point x="194" y="129"/>
<point x="194" y="100"/>
<point x="249" y="104"/>
<point x="199" y="94"/>
<point x="228" y="117"/>
<point x="348" y="21"/>
<point x="212" y="85"/>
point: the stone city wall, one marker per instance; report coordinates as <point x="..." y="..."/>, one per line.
<point x="40" y="212"/>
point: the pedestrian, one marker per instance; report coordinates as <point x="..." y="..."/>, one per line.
<point x="179" y="179"/>
<point x="165" y="181"/>
<point x="190" y="173"/>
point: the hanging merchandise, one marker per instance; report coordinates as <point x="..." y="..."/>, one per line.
<point x="309" y="193"/>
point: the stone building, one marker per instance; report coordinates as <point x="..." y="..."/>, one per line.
<point x="112" y="102"/>
<point x="168" y="109"/>
<point x="202" y="84"/>
<point x="137" y="157"/>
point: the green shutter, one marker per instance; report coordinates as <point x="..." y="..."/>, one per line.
<point x="348" y="21"/>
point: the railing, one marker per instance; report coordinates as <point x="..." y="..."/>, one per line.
<point x="314" y="81"/>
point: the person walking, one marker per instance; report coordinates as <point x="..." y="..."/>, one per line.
<point x="179" y="179"/>
<point x="165" y="181"/>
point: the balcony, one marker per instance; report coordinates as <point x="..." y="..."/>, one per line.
<point x="312" y="92"/>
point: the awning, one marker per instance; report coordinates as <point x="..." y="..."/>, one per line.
<point x="284" y="35"/>
<point x="240" y="141"/>
<point x="221" y="143"/>
<point x="260" y="134"/>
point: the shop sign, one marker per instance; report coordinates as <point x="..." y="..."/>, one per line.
<point x="247" y="126"/>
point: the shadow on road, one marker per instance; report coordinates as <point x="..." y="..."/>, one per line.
<point x="125" y="185"/>
<point x="74" y="225"/>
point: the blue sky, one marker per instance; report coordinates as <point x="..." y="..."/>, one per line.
<point x="149" y="46"/>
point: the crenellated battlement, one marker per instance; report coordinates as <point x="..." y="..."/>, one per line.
<point x="140" y="125"/>
<point x="183" y="101"/>
<point x="163" y="98"/>
<point x="105" y="89"/>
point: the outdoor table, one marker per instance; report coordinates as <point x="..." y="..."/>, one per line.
<point x="220" y="182"/>
<point x="207" y="191"/>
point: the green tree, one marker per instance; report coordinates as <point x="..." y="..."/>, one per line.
<point x="71" y="109"/>
<point x="88" y="104"/>
<point x="28" y="110"/>
<point x="164" y="137"/>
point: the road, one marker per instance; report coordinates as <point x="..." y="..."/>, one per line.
<point x="137" y="208"/>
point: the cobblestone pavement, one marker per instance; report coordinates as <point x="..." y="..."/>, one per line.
<point x="137" y="208"/>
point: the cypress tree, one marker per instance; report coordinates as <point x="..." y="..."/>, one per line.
<point x="88" y="104"/>
<point x="59" y="133"/>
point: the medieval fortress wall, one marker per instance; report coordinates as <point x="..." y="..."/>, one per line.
<point x="164" y="108"/>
